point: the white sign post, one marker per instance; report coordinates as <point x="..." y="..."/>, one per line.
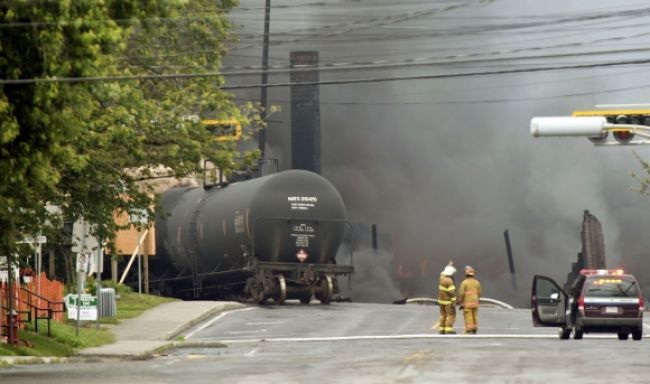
<point x="83" y="260"/>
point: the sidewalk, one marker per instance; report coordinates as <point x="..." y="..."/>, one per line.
<point x="141" y="336"/>
<point x="157" y="327"/>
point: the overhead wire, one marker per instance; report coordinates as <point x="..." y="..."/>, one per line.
<point x="320" y="82"/>
<point x="560" y="19"/>
<point x="348" y="27"/>
<point x="510" y="85"/>
<point x="456" y="60"/>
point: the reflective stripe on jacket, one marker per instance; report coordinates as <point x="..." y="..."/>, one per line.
<point x="469" y="293"/>
<point x="446" y="291"/>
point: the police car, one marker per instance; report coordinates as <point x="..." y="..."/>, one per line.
<point x="599" y="301"/>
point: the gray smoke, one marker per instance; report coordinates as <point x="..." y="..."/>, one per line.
<point x="445" y="166"/>
<point x="373" y="279"/>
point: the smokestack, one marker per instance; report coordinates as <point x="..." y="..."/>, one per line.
<point x="374" y="237"/>
<point x="305" y="113"/>
<point x="511" y="261"/>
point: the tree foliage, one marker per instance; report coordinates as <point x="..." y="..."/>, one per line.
<point x="644" y="181"/>
<point x="86" y="145"/>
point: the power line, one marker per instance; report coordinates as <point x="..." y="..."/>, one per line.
<point x="182" y="76"/>
<point x="633" y="13"/>
<point x="463" y="59"/>
<point x="446" y="76"/>
<point x="509" y="85"/>
<point x="376" y="21"/>
<point x="361" y="3"/>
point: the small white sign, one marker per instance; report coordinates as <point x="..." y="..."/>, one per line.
<point x="83" y="262"/>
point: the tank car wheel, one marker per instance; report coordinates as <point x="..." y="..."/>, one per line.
<point x="326" y="290"/>
<point x="280" y="290"/>
<point x="255" y="290"/>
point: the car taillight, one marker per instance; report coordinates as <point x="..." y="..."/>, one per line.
<point x="581" y="303"/>
<point x="641" y="307"/>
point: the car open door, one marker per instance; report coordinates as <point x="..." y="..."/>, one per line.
<point x="548" y="302"/>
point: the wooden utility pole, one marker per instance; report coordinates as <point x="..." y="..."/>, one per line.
<point x="265" y="65"/>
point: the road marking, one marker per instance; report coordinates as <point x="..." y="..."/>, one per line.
<point x="252" y="352"/>
<point x="263" y="323"/>
<point x="387" y="337"/>
<point x="209" y="323"/>
<point x="646" y="325"/>
<point x="417" y="357"/>
<point x="245" y="332"/>
<point x="196" y="357"/>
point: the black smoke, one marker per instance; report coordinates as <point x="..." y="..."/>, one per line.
<point x="445" y="166"/>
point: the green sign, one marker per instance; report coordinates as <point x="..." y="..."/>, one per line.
<point x="87" y="306"/>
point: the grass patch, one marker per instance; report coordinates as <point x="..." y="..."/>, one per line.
<point x="64" y="341"/>
<point x="131" y="304"/>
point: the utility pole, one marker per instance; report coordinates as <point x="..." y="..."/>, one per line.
<point x="265" y="66"/>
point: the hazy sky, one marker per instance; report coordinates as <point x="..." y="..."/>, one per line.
<point x="444" y="166"/>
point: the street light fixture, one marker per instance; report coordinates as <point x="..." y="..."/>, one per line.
<point x="596" y="128"/>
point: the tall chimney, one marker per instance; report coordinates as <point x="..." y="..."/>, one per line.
<point x="305" y="113"/>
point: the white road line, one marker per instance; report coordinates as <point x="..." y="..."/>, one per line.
<point x="209" y="323"/>
<point x="385" y="337"/>
<point x="263" y="322"/>
<point x="245" y="332"/>
<point x="252" y="352"/>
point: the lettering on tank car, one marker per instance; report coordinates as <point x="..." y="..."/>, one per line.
<point x="302" y="233"/>
<point x="302" y="240"/>
<point x="303" y="228"/>
<point x="302" y="203"/>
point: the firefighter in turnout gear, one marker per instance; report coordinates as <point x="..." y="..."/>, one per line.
<point x="447" y="300"/>
<point x="468" y="299"/>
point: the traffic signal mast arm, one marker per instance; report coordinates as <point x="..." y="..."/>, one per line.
<point x="596" y="125"/>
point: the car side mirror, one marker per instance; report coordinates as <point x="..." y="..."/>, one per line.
<point x="555" y="296"/>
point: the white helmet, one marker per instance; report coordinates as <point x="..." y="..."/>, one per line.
<point x="449" y="270"/>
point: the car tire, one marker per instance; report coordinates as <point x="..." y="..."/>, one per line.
<point x="577" y="334"/>
<point x="623" y="335"/>
<point x="637" y="334"/>
<point x="564" y="333"/>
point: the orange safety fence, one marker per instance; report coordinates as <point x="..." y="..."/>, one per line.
<point x="36" y="293"/>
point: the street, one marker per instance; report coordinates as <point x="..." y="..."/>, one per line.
<point x="365" y="343"/>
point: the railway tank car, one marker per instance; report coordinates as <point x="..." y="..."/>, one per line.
<point x="275" y="237"/>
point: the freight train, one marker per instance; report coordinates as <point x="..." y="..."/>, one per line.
<point x="273" y="237"/>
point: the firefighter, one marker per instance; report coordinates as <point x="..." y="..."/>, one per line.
<point x="468" y="299"/>
<point x="447" y="300"/>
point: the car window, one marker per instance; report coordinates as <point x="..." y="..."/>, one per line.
<point x="611" y="286"/>
<point x="545" y="288"/>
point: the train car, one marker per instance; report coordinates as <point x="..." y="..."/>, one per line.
<point x="275" y="236"/>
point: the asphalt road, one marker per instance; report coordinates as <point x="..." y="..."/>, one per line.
<point x="365" y="343"/>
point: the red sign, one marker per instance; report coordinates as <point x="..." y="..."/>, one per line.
<point x="302" y="255"/>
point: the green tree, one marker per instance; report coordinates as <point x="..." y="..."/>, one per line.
<point x="87" y="145"/>
<point x="644" y="181"/>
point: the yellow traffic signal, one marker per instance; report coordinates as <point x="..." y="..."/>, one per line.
<point x="223" y="130"/>
<point x="620" y="117"/>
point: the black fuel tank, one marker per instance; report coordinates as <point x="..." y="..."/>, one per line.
<point x="293" y="216"/>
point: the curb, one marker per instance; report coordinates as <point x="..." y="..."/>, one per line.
<point x="164" y="341"/>
<point x="200" y="318"/>
<point x="19" y="360"/>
